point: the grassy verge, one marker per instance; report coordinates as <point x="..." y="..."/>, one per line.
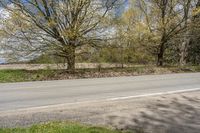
<point x="39" y="75"/>
<point x="63" y="127"/>
<point x="24" y="75"/>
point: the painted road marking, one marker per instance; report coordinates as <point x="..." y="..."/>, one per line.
<point x="102" y="100"/>
<point x="154" y="94"/>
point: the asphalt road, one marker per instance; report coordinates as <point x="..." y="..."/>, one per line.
<point x="36" y="94"/>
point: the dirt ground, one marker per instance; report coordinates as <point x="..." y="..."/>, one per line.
<point x="58" y="66"/>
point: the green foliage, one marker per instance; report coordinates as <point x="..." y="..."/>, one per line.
<point x="47" y="59"/>
<point x="116" y="54"/>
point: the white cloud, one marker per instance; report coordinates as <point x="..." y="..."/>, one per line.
<point x="4" y="14"/>
<point x="1" y="51"/>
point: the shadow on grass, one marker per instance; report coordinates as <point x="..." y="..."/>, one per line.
<point x="177" y="116"/>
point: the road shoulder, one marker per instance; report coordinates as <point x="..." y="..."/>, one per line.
<point x="174" y="112"/>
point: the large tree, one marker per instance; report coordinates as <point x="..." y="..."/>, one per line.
<point x="166" y="19"/>
<point x="66" y="24"/>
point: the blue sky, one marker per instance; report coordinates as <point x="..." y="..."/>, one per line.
<point x="121" y="9"/>
<point x="2" y="60"/>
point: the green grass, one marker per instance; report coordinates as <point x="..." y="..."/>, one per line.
<point x="48" y="74"/>
<point x="24" y="75"/>
<point x="60" y="127"/>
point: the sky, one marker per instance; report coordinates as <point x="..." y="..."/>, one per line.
<point x="121" y="9"/>
<point x="3" y="14"/>
<point x="2" y="61"/>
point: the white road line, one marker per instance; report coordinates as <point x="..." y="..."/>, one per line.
<point x="101" y="100"/>
<point x="154" y="94"/>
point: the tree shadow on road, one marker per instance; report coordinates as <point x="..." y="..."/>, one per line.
<point x="178" y="115"/>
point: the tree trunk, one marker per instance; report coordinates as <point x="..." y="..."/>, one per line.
<point x="186" y="39"/>
<point x="71" y="59"/>
<point x="122" y="56"/>
<point x="183" y="51"/>
<point x="160" y="60"/>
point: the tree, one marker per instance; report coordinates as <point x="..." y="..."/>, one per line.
<point x="186" y="39"/>
<point x="165" y="18"/>
<point x="131" y="36"/>
<point x="64" y="24"/>
<point x="194" y="36"/>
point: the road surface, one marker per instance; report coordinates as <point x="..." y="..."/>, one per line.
<point x="47" y="93"/>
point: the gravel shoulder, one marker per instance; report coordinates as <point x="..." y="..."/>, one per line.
<point x="175" y="113"/>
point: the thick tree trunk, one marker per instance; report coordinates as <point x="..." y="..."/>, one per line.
<point x="71" y="59"/>
<point x="160" y="60"/>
